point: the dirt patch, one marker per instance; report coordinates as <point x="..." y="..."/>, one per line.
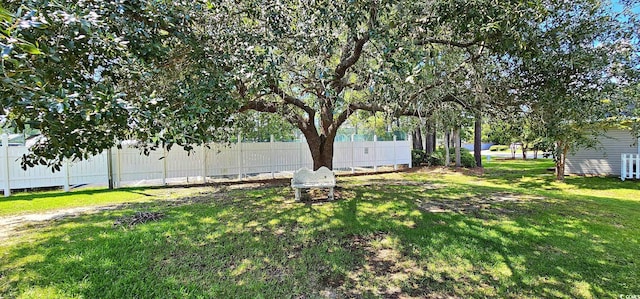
<point x="496" y="203"/>
<point x="9" y="225"/>
<point x="137" y="218"/>
<point x="319" y="195"/>
<point x="390" y="182"/>
<point x="443" y="170"/>
<point x="382" y="262"/>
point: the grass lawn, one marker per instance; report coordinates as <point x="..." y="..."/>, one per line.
<point x="510" y="233"/>
<point x="34" y="202"/>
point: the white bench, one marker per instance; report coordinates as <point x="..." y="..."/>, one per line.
<point x="321" y="178"/>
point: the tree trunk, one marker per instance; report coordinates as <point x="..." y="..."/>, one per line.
<point x="321" y="149"/>
<point x="447" y="159"/>
<point x="321" y="141"/>
<point x="477" y="140"/>
<point x="559" y="171"/>
<point x="417" y="139"/>
<point x="561" y="150"/>
<point x="458" y="145"/>
<point x="430" y="145"/>
<point x="433" y="138"/>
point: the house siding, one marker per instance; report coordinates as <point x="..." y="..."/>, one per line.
<point x="605" y="159"/>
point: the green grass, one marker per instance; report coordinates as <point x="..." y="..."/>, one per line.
<point x="511" y="233"/>
<point x="34" y="202"/>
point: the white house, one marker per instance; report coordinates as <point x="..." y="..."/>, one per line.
<point x="606" y="158"/>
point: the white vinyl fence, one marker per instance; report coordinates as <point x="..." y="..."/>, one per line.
<point x="630" y="167"/>
<point x="237" y="160"/>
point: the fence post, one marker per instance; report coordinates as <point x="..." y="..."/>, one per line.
<point x="300" y="152"/>
<point x="630" y="165"/>
<point x="65" y="172"/>
<point x="164" y="166"/>
<point x="638" y="160"/>
<point x="109" y="169"/>
<point x="5" y="152"/>
<point x="629" y="158"/>
<point x="353" y="153"/>
<point x="240" y="156"/>
<point x="623" y="169"/>
<point x="375" y="153"/>
<point x="395" y="156"/>
<point x="119" y="166"/>
<point x="271" y="153"/>
<point x="119" y="160"/>
<point x="410" y="138"/>
<point x="204" y="163"/>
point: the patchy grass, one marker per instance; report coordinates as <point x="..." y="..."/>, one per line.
<point x="511" y="233"/>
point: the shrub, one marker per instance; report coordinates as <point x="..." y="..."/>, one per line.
<point x="438" y="157"/>
<point x="466" y="159"/>
<point x="418" y="157"/>
<point x="499" y="148"/>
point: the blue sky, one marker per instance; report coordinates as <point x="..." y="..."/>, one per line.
<point x="617" y="7"/>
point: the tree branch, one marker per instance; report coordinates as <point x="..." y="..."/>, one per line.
<point x="261" y="106"/>
<point x="445" y="80"/>
<point x="463" y="44"/>
<point x="449" y="98"/>
<point x="344" y="115"/>
<point x="288" y="99"/>
<point x="272" y="107"/>
<point x="345" y="64"/>
<point x="241" y="87"/>
<point x="349" y="60"/>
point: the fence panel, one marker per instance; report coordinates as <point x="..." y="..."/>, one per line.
<point x="364" y="153"/>
<point x="385" y="153"/>
<point x="290" y="156"/>
<point x="132" y="165"/>
<point x="33" y="177"/>
<point x="222" y="160"/>
<point x="239" y="159"/>
<point x="630" y="166"/>
<point x="91" y="171"/>
<point x="403" y="152"/>
<point x="258" y="157"/>
<point x="183" y="164"/>
<point x="343" y="155"/>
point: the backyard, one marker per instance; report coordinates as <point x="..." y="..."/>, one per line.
<point x="510" y="232"/>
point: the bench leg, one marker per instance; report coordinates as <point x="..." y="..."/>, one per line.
<point x="297" y="194"/>
<point x="331" y="193"/>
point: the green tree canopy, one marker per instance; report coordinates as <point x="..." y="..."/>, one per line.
<point x="88" y="73"/>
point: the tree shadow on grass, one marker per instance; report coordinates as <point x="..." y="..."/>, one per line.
<point x="380" y="242"/>
<point x="234" y="246"/>
<point x="518" y="249"/>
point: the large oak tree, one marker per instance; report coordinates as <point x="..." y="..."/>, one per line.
<point x="88" y="73"/>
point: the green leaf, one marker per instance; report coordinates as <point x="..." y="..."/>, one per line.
<point x="30" y="48"/>
<point x="5" y="15"/>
